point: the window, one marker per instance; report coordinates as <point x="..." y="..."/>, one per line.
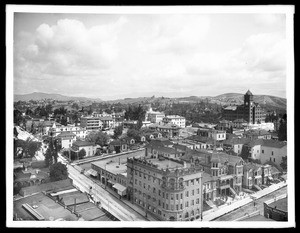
<point x="272" y="153"/>
<point x="187" y="193"/>
<point x="274" y="160"/>
<point x="172" y="207"/>
<point x="187" y="204"/>
<point x="270" y="159"/>
<point x="177" y="196"/>
<point x="181" y="196"/>
<point x="167" y="196"/>
<point x="159" y="202"/>
<point x="148" y="187"/>
<point x="154" y="190"/>
<point x="198" y="191"/>
<point x="192" y="202"/>
<point x="140" y="183"/>
<point x="172" y="196"/>
<point x="177" y="207"/>
<point x="163" y="195"/>
<point x="159" y="192"/>
<point x="167" y="207"/>
<point x="262" y="151"/>
<point x="144" y="185"/>
<point x="163" y="205"/>
<point x="193" y="192"/>
<point x="181" y="206"/>
<point x="197" y="201"/>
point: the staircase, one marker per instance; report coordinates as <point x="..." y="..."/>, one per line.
<point x="257" y="187"/>
<point x="233" y="191"/>
<point x="210" y="203"/>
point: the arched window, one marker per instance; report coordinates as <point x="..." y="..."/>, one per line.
<point x="192" y="213"/>
<point x="186" y="215"/>
<point x="172" y="183"/>
<point x="181" y="182"/>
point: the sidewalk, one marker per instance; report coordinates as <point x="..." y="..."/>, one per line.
<point x="224" y="209"/>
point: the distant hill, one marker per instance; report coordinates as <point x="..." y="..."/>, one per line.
<point x="40" y="96"/>
<point x="266" y="101"/>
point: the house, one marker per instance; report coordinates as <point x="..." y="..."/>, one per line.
<point x="130" y="141"/>
<point x="252" y="177"/>
<point x="169" y="130"/>
<point x="89" y="147"/>
<point x="157" y="135"/>
<point x="267" y="150"/>
<point x="149" y="136"/>
<point x="224" y="125"/>
<point x="234" y="145"/>
<point x="78" y="131"/>
<point x="240" y="123"/>
<point x="218" y="135"/>
<point x="66" y="139"/>
<point x="107" y="122"/>
<point x="91" y="123"/>
<point x="209" y="187"/>
<point x="155" y="117"/>
<point x="175" y="119"/>
<point x="205" y="142"/>
<point x="257" y="134"/>
<point x="118" y="146"/>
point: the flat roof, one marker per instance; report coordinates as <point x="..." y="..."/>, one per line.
<point x="46" y="207"/>
<point x="280" y="204"/>
<point x="112" y="167"/>
<point x="257" y="218"/>
<point x="166" y="163"/>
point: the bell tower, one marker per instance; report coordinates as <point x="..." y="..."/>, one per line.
<point x="248" y="105"/>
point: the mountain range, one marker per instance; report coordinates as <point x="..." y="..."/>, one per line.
<point x="41" y="96"/>
<point x="266" y="101"/>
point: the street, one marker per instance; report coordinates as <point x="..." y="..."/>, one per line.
<point x="108" y="201"/>
<point x="250" y="208"/>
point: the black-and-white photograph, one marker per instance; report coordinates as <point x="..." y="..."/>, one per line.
<point x="150" y="116"/>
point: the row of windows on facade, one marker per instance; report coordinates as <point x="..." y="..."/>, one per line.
<point x="262" y="151"/>
<point x="167" y="206"/>
<point x="192" y="182"/>
<point x="160" y="193"/>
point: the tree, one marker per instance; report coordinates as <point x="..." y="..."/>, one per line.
<point x="17" y="117"/>
<point x="118" y="131"/>
<point x="245" y="152"/>
<point x="98" y="137"/>
<point x="29" y="147"/>
<point x="282" y="131"/>
<point x="283" y="163"/>
<point x="48" y="109"/>
<point x="75" y="105"/>
<point x="81" y="153"/>
<point x="133" y="133"/>
<point x="51" y="153"/>
<point x="58" y="171"/>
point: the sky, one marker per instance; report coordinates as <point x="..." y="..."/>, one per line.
<point x="112" y="56"/>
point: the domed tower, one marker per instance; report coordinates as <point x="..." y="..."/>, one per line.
<point x="248" y="103"/>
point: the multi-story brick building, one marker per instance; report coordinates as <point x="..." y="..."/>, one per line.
<point x="250" y="111"/>
<point x="79" y="132"/>
<point x="168" y="188"/>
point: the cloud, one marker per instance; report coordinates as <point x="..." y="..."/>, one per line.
<point x="175" y="34"/>
<point x="267" y="20"/>
<point x="69" y="48"/>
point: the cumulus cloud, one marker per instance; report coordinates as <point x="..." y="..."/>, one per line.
<point x="69" y="47"/>
<point x="175" y="34"/>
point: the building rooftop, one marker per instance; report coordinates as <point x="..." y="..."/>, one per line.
<point x="164" y="126"/>
<point x="174" y="116"/>
<point x="236" y="140"/>
<point x="83" y="143"/>
<point x="280" y="204"/>
<point x="248" y="93"/>
<point x="267" y="143"/>
<point x="166" y="163"/>
<point x="112" y="166"/>
<point x="256" y="218"/>
<point x="66" y="134"/>
<point x="252" y="166"/>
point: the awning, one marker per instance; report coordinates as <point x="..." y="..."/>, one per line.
<point x="121" y="189"/>
<point x="92" y="172"/>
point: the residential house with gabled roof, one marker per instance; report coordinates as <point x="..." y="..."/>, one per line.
<point x="252" y="178"/>
<point x="168" y="130"/>
<point x="66" y="139"/>
<point x="267" y="150"/>
<point x="234" y="145"/>
<point x="257" y="134"/>
<point x="89" y="147"/>
<point x="159" y="149"/>
<point x="240" y="123"/>
<point x="118" y="146"/>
